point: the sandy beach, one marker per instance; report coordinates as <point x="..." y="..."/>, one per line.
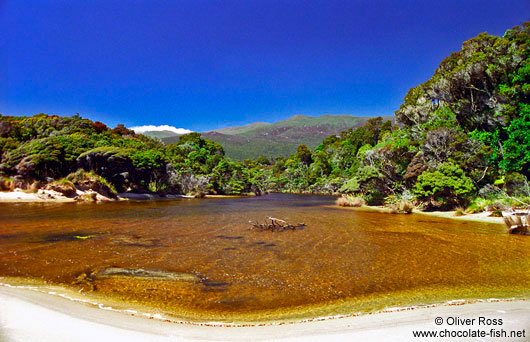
<point x="27" y="315"/>
<point x="50" y="196"/>
<point x="20" y="196"/>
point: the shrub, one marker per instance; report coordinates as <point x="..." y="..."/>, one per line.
<point x="350" y="186"/>
<point x="7" y="184"/>
<point x="478" y="205"/>
<point x="400" y="203"/>
<point x="460" y="211"/>
<point x="401" y="207"/>
<point x="446" y="187"/>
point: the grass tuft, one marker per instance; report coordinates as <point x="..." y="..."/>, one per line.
<point x="349" y="201"/>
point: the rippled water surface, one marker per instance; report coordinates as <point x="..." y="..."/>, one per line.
<point x="343" y="261"/>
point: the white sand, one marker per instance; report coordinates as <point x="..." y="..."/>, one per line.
<point x="33" y="316"/>
<point x="41" y="196"/>
<point x="50" y="196"/>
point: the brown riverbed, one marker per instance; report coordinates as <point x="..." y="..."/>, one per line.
<point x="342" y="262"/>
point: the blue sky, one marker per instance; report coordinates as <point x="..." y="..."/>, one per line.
<point x="208" y="64"/>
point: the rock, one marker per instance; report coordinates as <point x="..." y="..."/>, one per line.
<point x="118" y="272"/>
<point x="115" y="166"/>
<point x="87" y="197"/>
<point x="5" y="129"/>
<point x="95" y="185"/>
<point x="7" y="185"/>
<point x="19" y="182"/>
<point x="137" y="196"/>
<point x="66" y="189"/>
<point x="26" y="167"/>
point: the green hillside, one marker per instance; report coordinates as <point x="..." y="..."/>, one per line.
<point x="238" y="130"/>
<point x="161" y="134"/>
<point x="280" y="138"/>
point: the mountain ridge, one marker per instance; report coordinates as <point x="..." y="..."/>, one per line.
<point x="280" y="139"/>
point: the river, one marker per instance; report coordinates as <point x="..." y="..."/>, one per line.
<point x="343" y="261"/>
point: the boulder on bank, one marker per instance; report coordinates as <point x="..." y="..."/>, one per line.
<point x="87" y="197"/>
<point x="89" y="181"/>
<point x="116" y="166"/>
<point x="64" y="187"/>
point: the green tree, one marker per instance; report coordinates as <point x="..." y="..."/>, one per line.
<point x="303" y="154"/>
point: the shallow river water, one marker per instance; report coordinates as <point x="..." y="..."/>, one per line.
<point x="344" y="261"/>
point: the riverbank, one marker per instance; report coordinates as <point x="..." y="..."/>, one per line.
<point x="27" y="315"/>
<point x="20" y="196"/>
<point x="50" y="196"/>
<point x="477" y="217"/>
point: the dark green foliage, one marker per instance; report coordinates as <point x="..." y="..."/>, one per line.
<point x="481" y="84"/>
<point x="517" y="144"/>
<point x="303" y="154"/>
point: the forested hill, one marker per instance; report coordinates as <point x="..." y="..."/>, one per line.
<point x="463" y="135"/>
<point x="281" y="138"/>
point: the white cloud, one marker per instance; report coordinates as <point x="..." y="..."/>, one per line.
<point x="146" y="128"/>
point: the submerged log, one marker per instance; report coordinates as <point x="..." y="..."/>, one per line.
<point x="275" y="225"/>
<point x="517" y="224"/>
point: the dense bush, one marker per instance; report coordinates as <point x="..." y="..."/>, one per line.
<point x="445" y="187"/>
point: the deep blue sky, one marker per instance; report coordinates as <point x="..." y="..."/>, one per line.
<point x="208" y="64"/>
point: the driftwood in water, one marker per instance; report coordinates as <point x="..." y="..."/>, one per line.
<point x="517" y="224"/>
<point x="275" y="225"/>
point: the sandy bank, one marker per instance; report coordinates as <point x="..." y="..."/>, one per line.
<point x="27" y="315"/>
<point x="19" y="196"/>
<point x="478" y="217"/>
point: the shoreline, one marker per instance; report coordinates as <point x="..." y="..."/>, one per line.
<point x="23" y="306"/>
<point x="312" y="313"/>
<point x="51" y="315"/>
<point x="50" y="196"/>
<point x="477" y="217"/>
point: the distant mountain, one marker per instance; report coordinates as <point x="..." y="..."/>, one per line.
<point x="242" y="129"/>
<point x="161" y="134"/>
<point x="280" y="138"/>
